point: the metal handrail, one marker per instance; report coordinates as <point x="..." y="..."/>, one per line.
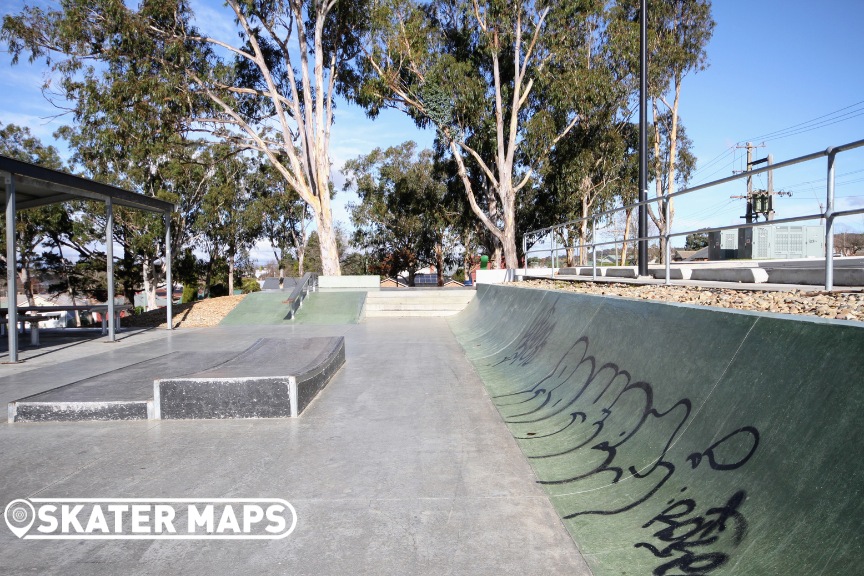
<point x="309" y="283"/>
<point x="828" y="214"/>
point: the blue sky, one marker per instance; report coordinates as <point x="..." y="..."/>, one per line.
<point x="774" y="64"/>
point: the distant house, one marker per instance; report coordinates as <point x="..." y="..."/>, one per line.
<point x="393" y="283"/>
<point x="690" y="255"/>
<point x="161" y="300"/>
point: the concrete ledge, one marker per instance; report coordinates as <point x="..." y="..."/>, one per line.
<point x="495" y="276"/>
<point x="816" y="276"/>
<point x="256" y="384"/>
<point x="522" y="273"/>
<point x="675" y="273"/>
<point x="746" y="275"/>
<point x="622" y="272"/>
<point x="311" y="381"/>
<point x="78" y="411"/>
<point x="589" y="271"/>
<point x="349" y="282"/>
<point x="411" y="313"/>
<point x="216" y="398"/>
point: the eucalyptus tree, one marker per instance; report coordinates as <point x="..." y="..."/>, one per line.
<point x="285" y="219"/>
<point x="271" y="90"/>
<point x="497" y="79"/>
<point x="230" y="228"/>
<point x="402" y="217"/>
<point x="32" y="225"/>
<point x="678" y="36"/>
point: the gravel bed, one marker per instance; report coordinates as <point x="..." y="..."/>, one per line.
<point x="840" y="305"/>
<point x="200" y="314"/>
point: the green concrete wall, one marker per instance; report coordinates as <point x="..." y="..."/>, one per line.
<point x="676" y="439"/>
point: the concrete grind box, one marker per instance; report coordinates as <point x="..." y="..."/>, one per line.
<point x="235" y="396"/>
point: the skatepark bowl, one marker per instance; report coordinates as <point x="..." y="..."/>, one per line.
<point x="534" y="432"/>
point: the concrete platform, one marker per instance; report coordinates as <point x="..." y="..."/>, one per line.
<point x="429" y="302"/>
<point x="400" y="466"/>
<point x="272" y="378"/>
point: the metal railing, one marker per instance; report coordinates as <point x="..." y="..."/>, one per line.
<point x="309" y="283"/>
<point x="828" y="215"/>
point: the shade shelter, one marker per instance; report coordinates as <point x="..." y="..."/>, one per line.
<point x="27" y="185"/>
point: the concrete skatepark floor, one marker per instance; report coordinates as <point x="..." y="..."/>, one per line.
<point x="400" y="466"/>
<point x="472" y="445"/>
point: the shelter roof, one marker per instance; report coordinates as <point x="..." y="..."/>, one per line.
<point x="38" y="186"/>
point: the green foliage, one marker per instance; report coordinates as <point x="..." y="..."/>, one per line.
<point x="250" y="285"/>
<point x="190" y="293"/>
<point x="402" y="220"/>
<point x="696" y="241"/>
<point x="141" y="79"/>
<point x="283" y="216"/>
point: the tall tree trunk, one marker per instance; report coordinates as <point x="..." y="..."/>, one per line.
<point x="439" y="263"/>
<point x="571" y="256"/>
<point x="627" y="221"/>
<point x="149" y="284"/>
<point x="231" y="273"/>
<point x="208" y="275"/>
<point x="69" y="286"/>
<point x="301" y="256"/>
<point x="24" y="276"/>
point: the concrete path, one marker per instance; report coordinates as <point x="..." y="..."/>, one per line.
<point x="400" y="466"/>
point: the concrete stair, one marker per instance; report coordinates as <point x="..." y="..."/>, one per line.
<point x="417" y="302"/>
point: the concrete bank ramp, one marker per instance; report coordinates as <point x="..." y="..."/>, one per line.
<point x="324" y="308"/>
<point x="681" y="440"/>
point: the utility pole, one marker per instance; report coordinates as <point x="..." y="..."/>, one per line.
<point x="745" y="235"/>
<point x="758" y="201"/>
<point x="749" y="215"/>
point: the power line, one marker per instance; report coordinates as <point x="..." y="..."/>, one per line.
<point x="803" y="130"/>
<point x="714" y="160"/>
<point x="770" y="135"/>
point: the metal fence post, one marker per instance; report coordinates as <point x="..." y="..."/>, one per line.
<point x="668" y="256"/>
<point x="169" y="281"/>
<point x="109" y="267"/>
<point x="552" y="255"/>
<point x="11" y="269"/>
<point x="525" y="252"/>
<point x="829" y="223"/>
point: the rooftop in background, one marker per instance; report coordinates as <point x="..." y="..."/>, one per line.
<point x="37" y="186"/>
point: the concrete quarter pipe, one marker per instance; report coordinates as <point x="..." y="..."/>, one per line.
<point x="682" y="440"/>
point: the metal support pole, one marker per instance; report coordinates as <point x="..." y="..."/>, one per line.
<point x="552" y="256"/>
<point x="11" y="269"/>
<point x="593" y="261"/>
<point x="643" y="137"/>
<point x="169" y="283"/>
<point x="109" y="257"/>
<point x="668" y="256"/>
<point x="829" y="223"/>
